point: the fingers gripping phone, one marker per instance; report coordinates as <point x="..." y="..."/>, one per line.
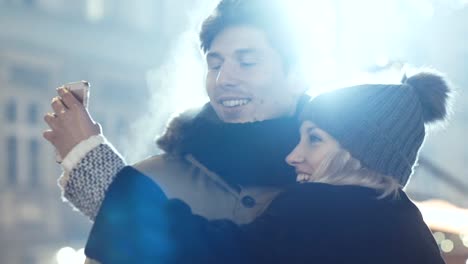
<point x="80" y="90"/>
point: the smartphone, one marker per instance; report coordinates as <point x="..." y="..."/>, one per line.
<point x="80" y="90"/>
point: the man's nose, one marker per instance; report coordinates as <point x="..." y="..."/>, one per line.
<point x="296" y="156"/>
<point x="227" y="76"/>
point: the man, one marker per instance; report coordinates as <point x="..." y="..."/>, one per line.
<point x="226" y="161"/>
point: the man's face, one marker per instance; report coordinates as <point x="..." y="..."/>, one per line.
<point x="246" y="79"/>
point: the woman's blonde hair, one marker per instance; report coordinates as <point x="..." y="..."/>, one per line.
<point x="340" y="168"/>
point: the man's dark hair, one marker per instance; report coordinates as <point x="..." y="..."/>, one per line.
<point x="266" y="15"/>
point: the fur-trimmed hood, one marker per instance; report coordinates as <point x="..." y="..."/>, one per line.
<point x="180" y="127"/>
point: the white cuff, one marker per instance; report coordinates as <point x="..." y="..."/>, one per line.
<point x="80" y="151"/>
<point x="76" y="154"/>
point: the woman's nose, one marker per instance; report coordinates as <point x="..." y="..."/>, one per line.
<point x="295" y="157"/>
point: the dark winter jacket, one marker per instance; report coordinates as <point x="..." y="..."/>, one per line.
<point x="307" y="223"/>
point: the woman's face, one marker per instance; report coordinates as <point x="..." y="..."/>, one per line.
<point x="314" y="147"/>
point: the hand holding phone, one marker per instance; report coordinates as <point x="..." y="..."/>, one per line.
<point x="70" y="123"/>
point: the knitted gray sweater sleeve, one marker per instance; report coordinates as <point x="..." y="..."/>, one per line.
<point x="90" y="178"/>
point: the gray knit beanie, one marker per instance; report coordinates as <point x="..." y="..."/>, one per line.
<point x="383" y="126"/>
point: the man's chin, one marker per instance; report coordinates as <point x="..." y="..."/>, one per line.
<point x="242" y="119"/>
<point x="239" y="119"/>
<point x="244" y="114"/>
<point x="239" y="114"/>
<point x="236" y="117"/>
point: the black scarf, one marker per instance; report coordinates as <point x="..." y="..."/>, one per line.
<point x="244" y="154"/>
<point x="248" y="153"/>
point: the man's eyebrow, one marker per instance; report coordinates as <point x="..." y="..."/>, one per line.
<point x="241" y="52"/>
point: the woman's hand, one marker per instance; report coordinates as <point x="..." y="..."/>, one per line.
<point x="69" y="124"/>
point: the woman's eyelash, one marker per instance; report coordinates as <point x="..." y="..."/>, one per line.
<point x="248" y="64"/>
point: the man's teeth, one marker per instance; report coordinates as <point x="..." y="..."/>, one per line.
<point x="233" y="103"/>
<point x="303" y="177"/>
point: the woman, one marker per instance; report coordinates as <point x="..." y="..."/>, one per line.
<point x="357" y="150"/>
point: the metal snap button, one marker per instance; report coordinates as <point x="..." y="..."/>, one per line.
<point x="248" y="201"/>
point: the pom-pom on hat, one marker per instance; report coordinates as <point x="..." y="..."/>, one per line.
<point x="383" y="126"/>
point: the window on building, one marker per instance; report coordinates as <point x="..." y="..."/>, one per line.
<point x="29" y="76"/>
<point x="34" y="170"/>
<point x="11" y="111"/>
<point x="12" y="162"/>
<point x="121" y="127"/>
<point x="33" y="112"/>
<point x="30" y="3"/>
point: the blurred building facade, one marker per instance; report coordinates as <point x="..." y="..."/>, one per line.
<point x="46" y="43"/>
